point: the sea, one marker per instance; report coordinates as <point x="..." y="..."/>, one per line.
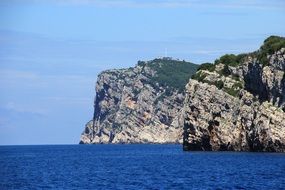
<point x="136" y="166"/>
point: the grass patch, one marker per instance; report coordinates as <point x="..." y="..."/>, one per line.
<point x="235" y="77"/>
<point x="238" y="85"/>
<point x="207" y="66"/>
<point x="232" y="91"/>
<point x="270" y="45"/>
<point x="172" y="73"/>
<point x="231" y="59"/>
<point x="199" y="76"/>
<point x="219" y="84"/>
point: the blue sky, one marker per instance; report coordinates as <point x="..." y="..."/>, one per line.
<point x="52" y="51"/>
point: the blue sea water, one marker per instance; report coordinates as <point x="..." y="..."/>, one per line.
<point x="136" y="167"/>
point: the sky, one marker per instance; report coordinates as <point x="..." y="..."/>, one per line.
<point x="51" y="52"/>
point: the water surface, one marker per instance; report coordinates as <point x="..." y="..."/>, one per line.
<point x="136" y="167"/>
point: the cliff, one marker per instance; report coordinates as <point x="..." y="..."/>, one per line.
<point x="139" y="104"/>
<point x="238" y="103"/>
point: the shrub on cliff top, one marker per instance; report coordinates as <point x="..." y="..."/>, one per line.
<point x="270" y="45"/>
<point x="172" y="73"/>
<point x="273" y="44"/>
<point x="231" y="59"/>
<point x="207" y="66"/>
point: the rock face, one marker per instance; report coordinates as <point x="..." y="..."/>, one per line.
<point x="236" y="104"/>
<point x="238" y="107"/>
<point x="140" y="104"/>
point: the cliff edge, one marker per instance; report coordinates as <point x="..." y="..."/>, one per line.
<point x="238" y="103"/>
<point x="140" y="104"/>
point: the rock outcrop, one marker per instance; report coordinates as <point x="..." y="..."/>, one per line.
<point x="238" y="103"/>
<point x="139" y="104"/>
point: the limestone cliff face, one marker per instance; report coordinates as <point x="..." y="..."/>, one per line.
<point x="138" y="105"/>
<point x="236" y="104"/>
<point x="237" y="107"/>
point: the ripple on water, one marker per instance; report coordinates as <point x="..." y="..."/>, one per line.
<point x="136" y="167"/>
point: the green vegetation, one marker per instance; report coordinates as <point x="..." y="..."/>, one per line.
<point x="235" y="77"/>
<point x="235" y="89"/>
<point x="238" y="85"/>
<point x="219" y="84"/>
<point x="225" y="71"/>
<point x="172" y="73"/>
<point x="231" y="59"/>
<point x="232" y="91"/>
<point x="273" y="44"/>
<point x="207" y="66"/>
<point x="270" y="45"/>
<point x="141" y="63"/>
<point x="199" y="76"/>
<point x="175" y="74"/>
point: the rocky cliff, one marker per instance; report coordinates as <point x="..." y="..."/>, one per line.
<point x="238" y="103"/>
<point x="139" y="104"/>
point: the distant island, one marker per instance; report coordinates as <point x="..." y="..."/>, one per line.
<point x="236" y="103"/>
